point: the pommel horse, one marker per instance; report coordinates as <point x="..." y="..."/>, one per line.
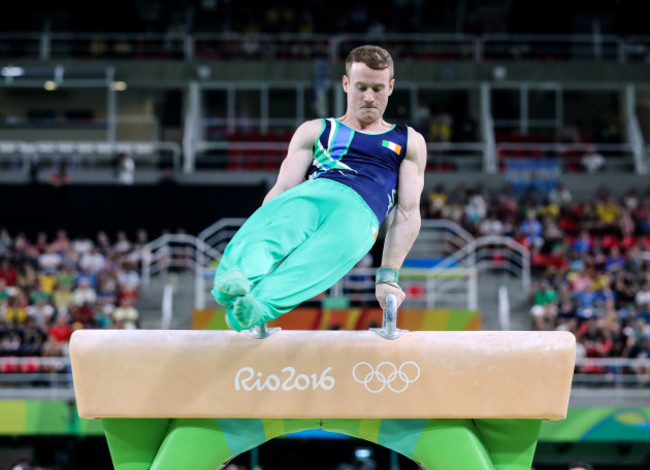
<point x="469" y="400"/>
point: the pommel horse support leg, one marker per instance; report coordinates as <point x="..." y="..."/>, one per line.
<point x="447" y="400"/>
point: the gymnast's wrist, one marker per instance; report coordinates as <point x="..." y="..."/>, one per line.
<point x="386" y="275"/>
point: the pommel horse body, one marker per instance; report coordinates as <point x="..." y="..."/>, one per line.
<point x="447" y="400"/>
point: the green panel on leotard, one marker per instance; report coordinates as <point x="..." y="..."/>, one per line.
<point x="134" y="443"/>
<point x="510" y="442"/>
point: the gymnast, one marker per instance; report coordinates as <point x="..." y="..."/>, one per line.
<point x="340" y="179"/>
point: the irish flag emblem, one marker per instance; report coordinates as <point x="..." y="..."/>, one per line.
<point x="392" y="145"/>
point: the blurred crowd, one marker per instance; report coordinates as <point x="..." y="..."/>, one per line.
<point x="590" y="259"/>
<point x="52" y="287"/>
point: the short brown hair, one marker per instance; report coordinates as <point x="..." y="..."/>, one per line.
<point x="375" y="57"/>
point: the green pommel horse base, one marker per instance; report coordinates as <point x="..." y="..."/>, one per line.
<point x="172" y="400"/>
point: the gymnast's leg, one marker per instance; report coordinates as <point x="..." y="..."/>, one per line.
<point x="346" y="232"/>
<point x="268" y="236"/>
<point x="296" y="249"/>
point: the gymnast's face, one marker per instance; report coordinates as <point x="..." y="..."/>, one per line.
<point x="368" y="91"/>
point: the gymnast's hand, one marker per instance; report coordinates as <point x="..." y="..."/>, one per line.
<point x="383" y="289"/>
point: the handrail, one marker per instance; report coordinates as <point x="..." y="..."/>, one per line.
<point x="211" y="231"/>
<point x="471" y="249"/>
<point x="423" y="46"/>
<point x="88" y="149"/>
<point x="152" y="264"/>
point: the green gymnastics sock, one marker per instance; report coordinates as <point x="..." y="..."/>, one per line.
<point x="247" y="311"/>
<point x="229" y="286"/>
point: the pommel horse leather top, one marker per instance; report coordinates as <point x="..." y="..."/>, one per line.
<point x="322" y="374"/>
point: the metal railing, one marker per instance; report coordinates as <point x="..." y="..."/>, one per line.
<point x="569" y="155"/>
<point x="21" y="155"/>
<point x="235" y="46"/>
<point x="452" y="260"/>
<point x="268" y="155"/>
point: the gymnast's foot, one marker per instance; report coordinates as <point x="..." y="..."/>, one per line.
<point x="247" y="311"/>
<point x="230" y="286"/>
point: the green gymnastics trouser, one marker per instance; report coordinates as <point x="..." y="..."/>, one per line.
<point x="299" y="244"/>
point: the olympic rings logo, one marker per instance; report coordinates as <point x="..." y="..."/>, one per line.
<point x="386" y="375"/>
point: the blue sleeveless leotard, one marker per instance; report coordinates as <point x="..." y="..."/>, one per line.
<point x="367" y="163"/>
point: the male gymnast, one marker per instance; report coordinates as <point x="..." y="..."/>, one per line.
<point x="340" y="179"/>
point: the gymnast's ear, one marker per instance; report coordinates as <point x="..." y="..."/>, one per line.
<point x="346" y="83"/>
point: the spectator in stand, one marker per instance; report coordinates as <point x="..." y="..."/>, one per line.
<point x="607" y="212"/>
<point x="42" y="312"/>
<point x="437" y="200"/>
<point x="103" y="243"/>
<point x="126" y="316"/>
<point x="642" y="217"/>
<point x="441" y="126"/>
<point x="10" y="344"/>
<point x="5" y="293"/>
<point x="84" y="293"/>
<point x="615" y="260"/>
<point x="107" y="290"/>
<point x="122" y="244"/>
<point x="642" y="297"/>
<point x="87" y="275"/>
<point x="61" y="243"/>
<point x="15" y="313"/>
<point x="625" y="224"/>
<point x="545" y="306"/>
<point x="8" y="272"/>
<point x="50" y="261"/>
<point x="491" y="225"/>
<point x="63" y="299"/>
<point x="630" y="199"/>
<point x="65" y="277"/>
<point x="507" y="202"/>
<point x="625" y="287"/>
<point x="84" y="315"/>
<point x="41" y="244"/>
<point x="582" y="245"/>
<point x="591" y="334"/>
<point x="552" y="234"/>
<point x="104" y="315"/>
<point x="531" y="231"/>
<point x="135" y="256"/>
<point x="92" y="261"/>
<point x="59" y="337"/>
<point x="567" y="318"/>
<point x="128" y="276"/>
<point x="5" y="241"/>
<point x="475" y="211"/>
<point x="33" y="339"/>
<point x="125" y="169"/>
<point x="82" y="245"/>
<point x="593" y="161"/>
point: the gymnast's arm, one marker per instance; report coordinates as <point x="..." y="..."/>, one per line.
<point x="406" y="223"/>
<point x="300" y="155"/>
